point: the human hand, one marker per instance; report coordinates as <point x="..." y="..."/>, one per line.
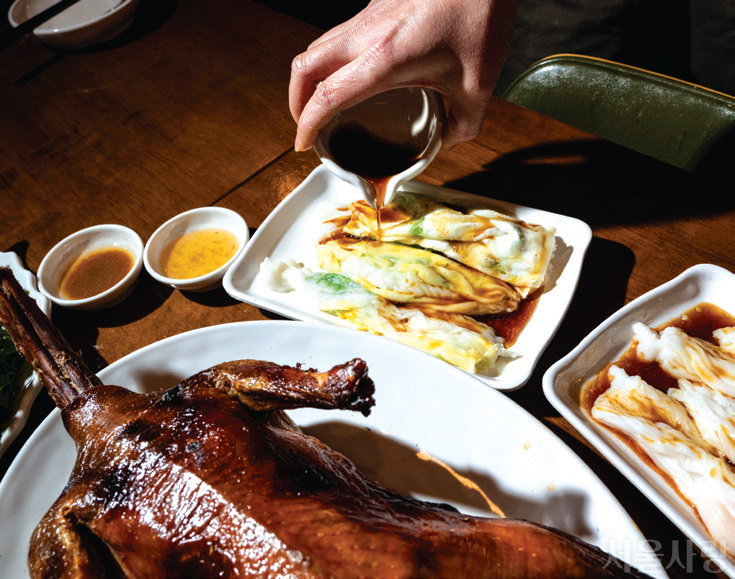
<point x="456" y="47"/>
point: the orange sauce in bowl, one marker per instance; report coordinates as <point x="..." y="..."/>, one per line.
<point x="95" y="272"/>
<point x="198" y="253"/>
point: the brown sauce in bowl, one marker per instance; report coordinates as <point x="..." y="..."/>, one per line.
<point x="374" y="159"/>
<point x="369" y="156"/>
<point x="95" y="272"/>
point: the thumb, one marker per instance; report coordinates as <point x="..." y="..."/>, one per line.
<point x="464" y="123"/>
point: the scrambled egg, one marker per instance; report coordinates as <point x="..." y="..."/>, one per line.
<point x="499" y="245"/>
<point x="420" y="273"/>
<point x="411" y="275"/>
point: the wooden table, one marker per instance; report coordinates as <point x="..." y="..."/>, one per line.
<point x="189" y="108"/>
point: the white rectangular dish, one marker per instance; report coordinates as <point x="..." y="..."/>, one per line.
<point x="563" y="383"/>
<point x="294" y="228"/>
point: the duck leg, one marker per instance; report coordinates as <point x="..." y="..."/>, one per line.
<point x="266" y="386"/>
<point x="62" y="371"/>
<point x="203" y="480"/>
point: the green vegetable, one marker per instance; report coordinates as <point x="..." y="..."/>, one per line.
<point x="336" y="283"/>
<point x="417" y="228"/>
<point x="10" y="362"/>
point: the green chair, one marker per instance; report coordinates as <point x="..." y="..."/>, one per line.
<point x="677" y="122"/>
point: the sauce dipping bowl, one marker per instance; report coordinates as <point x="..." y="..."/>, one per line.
<point x="83" y="24"/>
<point x="66" y="252"/>
<point x="188" y="222"/>
<point x="410" y="117"/>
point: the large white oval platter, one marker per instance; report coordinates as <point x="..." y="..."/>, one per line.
<point x="424" y="407"/>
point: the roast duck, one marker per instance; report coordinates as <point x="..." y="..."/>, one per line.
<point x="212" y="479"/>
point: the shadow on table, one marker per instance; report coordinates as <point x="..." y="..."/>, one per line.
<point x="214" y="298"/>
<point x="80" y="327"/>
<point x="598" y="182"/>
<point x="324" y="14"/>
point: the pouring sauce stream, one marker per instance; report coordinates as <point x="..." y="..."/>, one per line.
<point x="373" y="158"/>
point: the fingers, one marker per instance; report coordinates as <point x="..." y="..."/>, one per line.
<point x="344" y="88"/>
<point x="333" y="76"/>
<point x="453" y="46"/>
<point x="326" y="82"/>
<point x="341" y="68"/>
<point x="464" y="121"/>
<point x="312" y="67"/>
<point x="327" y="54"/>
<point x="337" y="30"/>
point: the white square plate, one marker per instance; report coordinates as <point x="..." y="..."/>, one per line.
<point x="563" y="382"/>
<point x="294" y="228"/>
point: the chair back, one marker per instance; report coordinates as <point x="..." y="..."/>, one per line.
<point x="677" y="122"/>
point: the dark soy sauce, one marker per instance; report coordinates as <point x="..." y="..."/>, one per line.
<point x="700" y="322"/>
<point x="370" y="157"/>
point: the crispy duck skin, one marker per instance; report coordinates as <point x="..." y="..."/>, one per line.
<point x="211" y="479"/>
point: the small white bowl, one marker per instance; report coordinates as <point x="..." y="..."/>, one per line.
<point x="194" y="220"/>
<point x="84" y="241"/>
<point x="412" y="116"/>
<point x="85" y="23"/>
